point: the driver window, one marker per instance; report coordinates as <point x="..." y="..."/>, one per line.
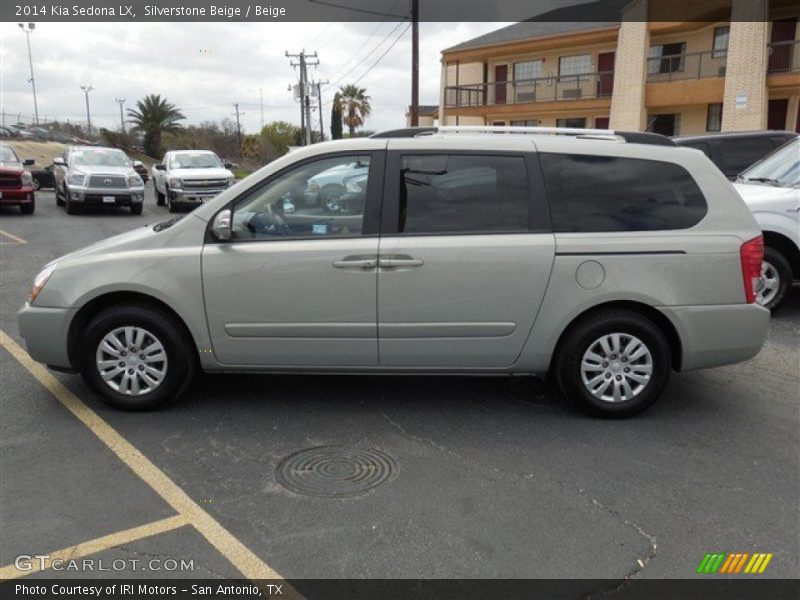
<point x="324" y="198"/>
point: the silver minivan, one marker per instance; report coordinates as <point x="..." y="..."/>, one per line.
<point x="604" y="259"/>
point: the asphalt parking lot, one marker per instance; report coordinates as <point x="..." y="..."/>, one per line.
<point x="479" y="477"/>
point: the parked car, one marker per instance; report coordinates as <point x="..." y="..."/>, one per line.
<point x="733" y="152"/>
<point x="16" y="183"/>
<point x="605" y="262"/>
<point x="7" y="133"/>
<point x="139" y="167"/>
<point x="92" y="176"/>
<point x="43" y="178"/>
<point x="21" y="131"/>
<point x="189" y="177"/>
<point x="326" y="188"/>
<point x="771" y="189"/>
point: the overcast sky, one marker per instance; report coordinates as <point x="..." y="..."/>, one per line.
<point x="203" y="68"/>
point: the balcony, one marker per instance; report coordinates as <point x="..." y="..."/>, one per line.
<point x="784" y="57"/>
<point x="523" y="91"/>
<point x="692" y="65"/>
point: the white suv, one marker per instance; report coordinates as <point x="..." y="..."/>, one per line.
<point x="771" y="189"/>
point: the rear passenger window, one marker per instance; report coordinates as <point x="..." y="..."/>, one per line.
<point x="601" y="193"/>
<point x="456" y="193"/>
<point x="738" y="154"/>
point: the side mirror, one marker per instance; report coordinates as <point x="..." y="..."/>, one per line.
<point x="59" y="161"/>
<point x="221" y="227"/>
<point x="227" y="165"/>
<point x="28" y="162"/>
<point x="161" y="167"/>
<point x="137" y="163"/>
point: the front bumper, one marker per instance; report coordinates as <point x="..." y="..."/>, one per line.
<point x="193" y="196"/>
<point x="712" y="336"/>
<point x="45" y="331"/>
<point x="22" y="195"/>
<point x="108" y="197"/>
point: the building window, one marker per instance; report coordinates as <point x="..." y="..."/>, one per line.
<point x="574" y="65"/>
<point x="576" y="122"/>
<point x="714" y="117"/>
<point x="666" y="58"/>
<point x="526" y="123"/>
<point x="721" y="37"/>
<point x="531" y="69"/>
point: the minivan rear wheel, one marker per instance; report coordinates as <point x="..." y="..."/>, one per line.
<point x="613" y="364"/>
<point x="137" y="357"/>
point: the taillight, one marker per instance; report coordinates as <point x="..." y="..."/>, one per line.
<point x="752" y="253"/>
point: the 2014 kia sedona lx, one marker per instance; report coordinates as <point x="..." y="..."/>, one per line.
<point x="606" y="259"/>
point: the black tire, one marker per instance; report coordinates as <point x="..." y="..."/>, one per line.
<point x="181" y="364"/>
<point x="171" y="206"/>
<point x="60" y="200"/>
<point x="775" y="260"/>
<point x="160" y="199"/>
<point x="72" y="207"/>
<point x="37" y="185"/>
<point x="136" y="208"/>
<point x="583" y="335"/>
<point x="27" y="209"/>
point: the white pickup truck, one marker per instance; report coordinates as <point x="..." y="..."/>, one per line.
<point x="771" y="189"/>
<point x="189" y="177"/>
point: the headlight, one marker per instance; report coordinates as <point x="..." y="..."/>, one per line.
<point x="353" y="187"/>
<point x="313" y="186"/>
<point x="76" y="179"/>
<point x="41" y="279"/>
<point x="27" y="178"/>
<point x="135" y="181"/>
<point x="174" y="182"/>
<point x="231" y="180"/>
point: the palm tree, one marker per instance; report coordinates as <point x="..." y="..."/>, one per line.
<point x="354" y="106"/>
<point x="153" y="116"/>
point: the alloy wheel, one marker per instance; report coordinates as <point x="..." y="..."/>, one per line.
<point x="616" y="367"/>
<point x="131" y="361"/>
<point x="769" y="283"/>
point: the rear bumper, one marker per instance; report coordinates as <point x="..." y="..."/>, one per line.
<point x="24" y="195"/>
<point x="45" y="331"/>
<point x="712" y="336"/>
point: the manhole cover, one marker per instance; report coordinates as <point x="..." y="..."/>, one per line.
<point x="334" y="471"/>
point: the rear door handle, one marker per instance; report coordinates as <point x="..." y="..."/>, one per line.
<point x="389" y="263"/>
<point x="355" y="263"/>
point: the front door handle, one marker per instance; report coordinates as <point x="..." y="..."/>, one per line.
<point x="355" y="263"/>
<point x="390" y="263"/>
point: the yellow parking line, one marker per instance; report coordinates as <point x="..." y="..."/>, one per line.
<point x="250" y="565"/>
<point x="97" y="545"/>
<point x="11" y="236"/>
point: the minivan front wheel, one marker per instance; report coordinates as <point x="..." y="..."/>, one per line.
<point x="137" y="357"/>
<point x="614" y="364"/>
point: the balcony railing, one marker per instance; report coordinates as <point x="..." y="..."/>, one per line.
<point x="784" y="57"/>
<point x="521" y="91"/>
<point x="692" y="65"/>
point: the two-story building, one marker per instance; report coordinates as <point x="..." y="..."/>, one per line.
<point x="737" y="69"/>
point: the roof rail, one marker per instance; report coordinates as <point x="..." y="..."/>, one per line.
<point x="632" y="137"/>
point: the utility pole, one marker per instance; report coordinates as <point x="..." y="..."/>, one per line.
<point x="319" y="85"/>
<point x="121" y="118"/>
<point x="414" y="63"/>
<point x="86" y="89"/>
<point x="27" y="31"/>
<point x="304" y="61"/>
<point x="238" y="127"/>
<point x="261" y="105"/>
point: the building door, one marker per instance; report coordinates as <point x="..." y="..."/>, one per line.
<point x="776" y="113"/>
<point x="500" y="74"/>
<point x="780" y="57"/>
<point x="664" y="124"/>
<point x="605" y="81"/>
<point x="601" y="123"/>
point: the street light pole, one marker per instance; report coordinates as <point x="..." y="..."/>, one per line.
<point x="86" y="89"/>
<point x="27" y="31"/>
<point x="121" y="118"/>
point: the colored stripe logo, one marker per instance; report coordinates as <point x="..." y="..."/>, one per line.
<point x="734" y="563"/>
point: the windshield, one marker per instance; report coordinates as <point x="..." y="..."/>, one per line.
<point x="99" y="157"/>
<point x="7" y="154"/>
<point x="780" y="168"/>
<point x="204" y="160"/>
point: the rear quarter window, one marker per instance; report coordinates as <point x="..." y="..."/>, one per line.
<point x="605" y="193"/>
